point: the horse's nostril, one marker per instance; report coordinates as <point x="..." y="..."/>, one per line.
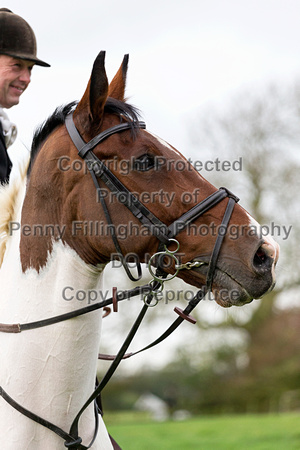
<point x="259" y="257"/>
<point x="263" y="258"/>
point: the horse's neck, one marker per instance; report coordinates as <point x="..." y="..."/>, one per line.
<point x="57" y="288"/>
<point x="50" y="370"/>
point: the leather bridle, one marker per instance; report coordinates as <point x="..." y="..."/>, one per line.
<point x="99" y="170"/>
<point x="165" y="234"/>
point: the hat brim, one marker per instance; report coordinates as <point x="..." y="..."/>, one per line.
<point x="36" y="61"/>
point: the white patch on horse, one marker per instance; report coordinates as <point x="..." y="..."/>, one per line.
<point x="69" y="404"/>
<point x="165" y="144"/>
<point x="36" y="376"/>
<point x="269" y="243"/>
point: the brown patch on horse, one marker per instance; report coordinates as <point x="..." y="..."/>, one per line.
<point x="50" y="190"/>
<point x="47" y="191"/>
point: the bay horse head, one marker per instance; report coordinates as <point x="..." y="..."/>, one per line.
<point x="157" y="174"/>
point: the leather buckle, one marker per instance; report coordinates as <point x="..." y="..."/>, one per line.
<point x="230" y="194"/>
<point x="114" y="299"/>
<point x="73" y="444"/>
<point x="189" y="318"/>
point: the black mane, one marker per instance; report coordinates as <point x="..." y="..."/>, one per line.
<point x="112" y="106"/>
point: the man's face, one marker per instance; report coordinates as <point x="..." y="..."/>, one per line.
<point x="14" y="79"/>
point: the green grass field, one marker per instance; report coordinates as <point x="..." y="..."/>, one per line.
<point x="240" y="432"/>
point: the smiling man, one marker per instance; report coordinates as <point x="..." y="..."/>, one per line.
<point x="17" y="57"/>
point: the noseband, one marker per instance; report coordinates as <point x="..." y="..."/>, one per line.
<point x="165" y="234"/>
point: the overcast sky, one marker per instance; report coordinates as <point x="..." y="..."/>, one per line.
<point x="184" y="55"/>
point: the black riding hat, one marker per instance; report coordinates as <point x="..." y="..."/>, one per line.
<point x="17" y="38"/>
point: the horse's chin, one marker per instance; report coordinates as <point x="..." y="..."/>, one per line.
<point x="225" y="289"/>
<point x="235" y="295"/>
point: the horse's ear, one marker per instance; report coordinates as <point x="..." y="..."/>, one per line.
<point x="96" y="93"/>
<point x="117" y="86"/>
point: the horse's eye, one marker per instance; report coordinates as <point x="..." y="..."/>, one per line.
<point x="144" y="163"/>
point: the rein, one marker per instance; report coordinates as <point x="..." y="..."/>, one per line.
<point x="165" y="234"/>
